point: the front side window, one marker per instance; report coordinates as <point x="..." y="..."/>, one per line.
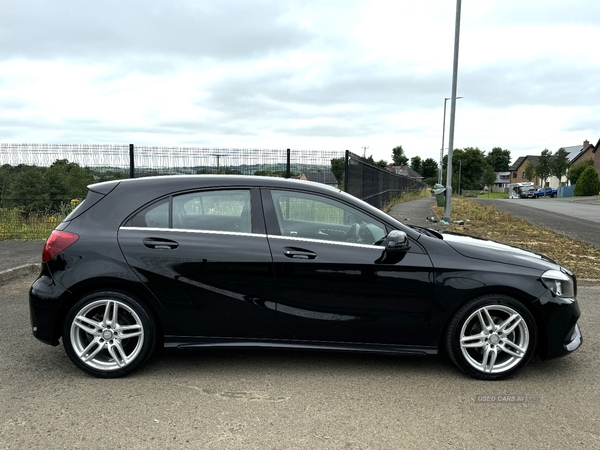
<point x="315" y="217"/>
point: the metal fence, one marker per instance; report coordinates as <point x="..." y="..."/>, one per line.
<point x="362" y="179"/>
<point x="139" y="161"/>
<point x="373" y="184"/>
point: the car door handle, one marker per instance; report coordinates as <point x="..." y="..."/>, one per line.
<point x="298" y="253"/>
<point x="160" y="244"/>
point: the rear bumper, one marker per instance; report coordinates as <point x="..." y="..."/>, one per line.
<point x="44" y="309"/>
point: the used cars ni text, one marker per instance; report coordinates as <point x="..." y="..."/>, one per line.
<point x="201" y="261"/>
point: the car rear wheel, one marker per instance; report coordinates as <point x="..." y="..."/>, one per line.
<point x="492" y="337"/>
<point x="109" y="334"/>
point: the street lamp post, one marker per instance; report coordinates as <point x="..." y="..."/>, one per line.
<point x="443" y="140"/>
<point x="448" y="206"/>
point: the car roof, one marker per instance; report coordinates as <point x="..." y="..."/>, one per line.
<point x="182" y="182"/>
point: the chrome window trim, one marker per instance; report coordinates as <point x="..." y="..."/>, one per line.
<point x="325" y="241"/>
<point x="233" y="233"/>
<point x="187" y="230"/>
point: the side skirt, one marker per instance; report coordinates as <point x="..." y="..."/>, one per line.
<point x="183" y="342"/>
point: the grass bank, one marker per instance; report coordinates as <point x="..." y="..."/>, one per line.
<point x="488" y="223"/>
<point x="16" y="225"/>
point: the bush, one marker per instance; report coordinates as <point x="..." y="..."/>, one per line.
<point x="588" y="183"/>
<point x="577" y="169"/>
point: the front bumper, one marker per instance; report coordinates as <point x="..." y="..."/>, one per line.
<point x="574" y="339"/>
<point x="563" y="334"/>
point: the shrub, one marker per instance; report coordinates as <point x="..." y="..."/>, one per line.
<point x="577" y="169"/>
<point x="588" y="182"/>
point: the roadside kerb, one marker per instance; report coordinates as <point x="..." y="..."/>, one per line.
<point x="16" y="272"/>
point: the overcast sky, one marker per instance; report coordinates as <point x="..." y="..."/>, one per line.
<point x="323" y="74"/>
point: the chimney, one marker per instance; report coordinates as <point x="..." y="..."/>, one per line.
<point x="586" y="143"/>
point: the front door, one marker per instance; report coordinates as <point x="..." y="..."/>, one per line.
<point x="330" y="287"/>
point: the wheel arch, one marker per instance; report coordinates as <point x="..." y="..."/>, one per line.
<point x="522" y="297"/>
<point x="139" y="292"/>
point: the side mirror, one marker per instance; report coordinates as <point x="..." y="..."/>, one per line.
<point x="396" y="245"/>
<point x="396" y="242"/>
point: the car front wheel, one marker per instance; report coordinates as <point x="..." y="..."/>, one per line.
<point x="492" y="337"/>
<point x="109" y="334"/>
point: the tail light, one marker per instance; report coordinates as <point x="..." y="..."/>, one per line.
<point x="58" y="242"/>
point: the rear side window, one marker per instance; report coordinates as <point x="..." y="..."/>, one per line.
<point x="154" y="216"/>
<point x="227" y="211"/>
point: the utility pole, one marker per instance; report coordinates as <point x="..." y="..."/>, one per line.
<point x="365" y="152"/>
<point x="218" y="155"/>
<point x="446" y="216"/>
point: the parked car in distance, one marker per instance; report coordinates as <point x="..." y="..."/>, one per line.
<point x="235" y="261"/>
<point x="546" y="192"/>
<point x="527" y="192"/>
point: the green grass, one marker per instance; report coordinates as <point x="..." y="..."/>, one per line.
<point x="17" y="225"/>
<point x="493" y="195"/>
<point x="13" y="225"/>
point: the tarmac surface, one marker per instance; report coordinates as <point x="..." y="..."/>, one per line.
<point x="274" y="399"/>
<point x="577" y="218"/>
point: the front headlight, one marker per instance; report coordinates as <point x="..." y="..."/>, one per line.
<point x="559" y="283"/>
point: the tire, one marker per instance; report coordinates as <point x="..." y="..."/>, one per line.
<point x="109" y="334"/>
<point x="492" y="337"/>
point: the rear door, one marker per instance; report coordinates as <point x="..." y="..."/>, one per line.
<point x="205" y="256"/>
<point x="329" y="283"/>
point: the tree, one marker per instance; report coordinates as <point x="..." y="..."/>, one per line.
<point x="398" y="156"/>
<point x="499" y="159"/>
<point x="489" y="176"/>
<point x="28" y="189"/>
<point x="472" y="166"/>
<point x="337" y="167"/>
<point x="577" y="169"/>
<point x="588" y="183"/>
<point x="429" y="168"/>
<point x="530" y="172"/>
<point x="416" y="164"/>
<point x="544" y="166"/>
<point x="560" y="164"/>
<point x="67" y="181"/>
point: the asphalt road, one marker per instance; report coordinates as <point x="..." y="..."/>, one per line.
<point x="576" y="220"/>
<point x="234" y="399"/>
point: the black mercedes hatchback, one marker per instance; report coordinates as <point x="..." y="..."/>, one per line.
<point x="204" y="261"/>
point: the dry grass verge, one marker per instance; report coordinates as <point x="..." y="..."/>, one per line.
<point x="485" y="222"/>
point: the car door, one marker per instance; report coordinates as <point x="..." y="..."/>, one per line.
<point x="330" y="284"/>
<point x="205" y="256"/>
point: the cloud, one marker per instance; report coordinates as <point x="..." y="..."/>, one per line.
<point x="304" y="73"/>
<point x="37" y="29"/>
